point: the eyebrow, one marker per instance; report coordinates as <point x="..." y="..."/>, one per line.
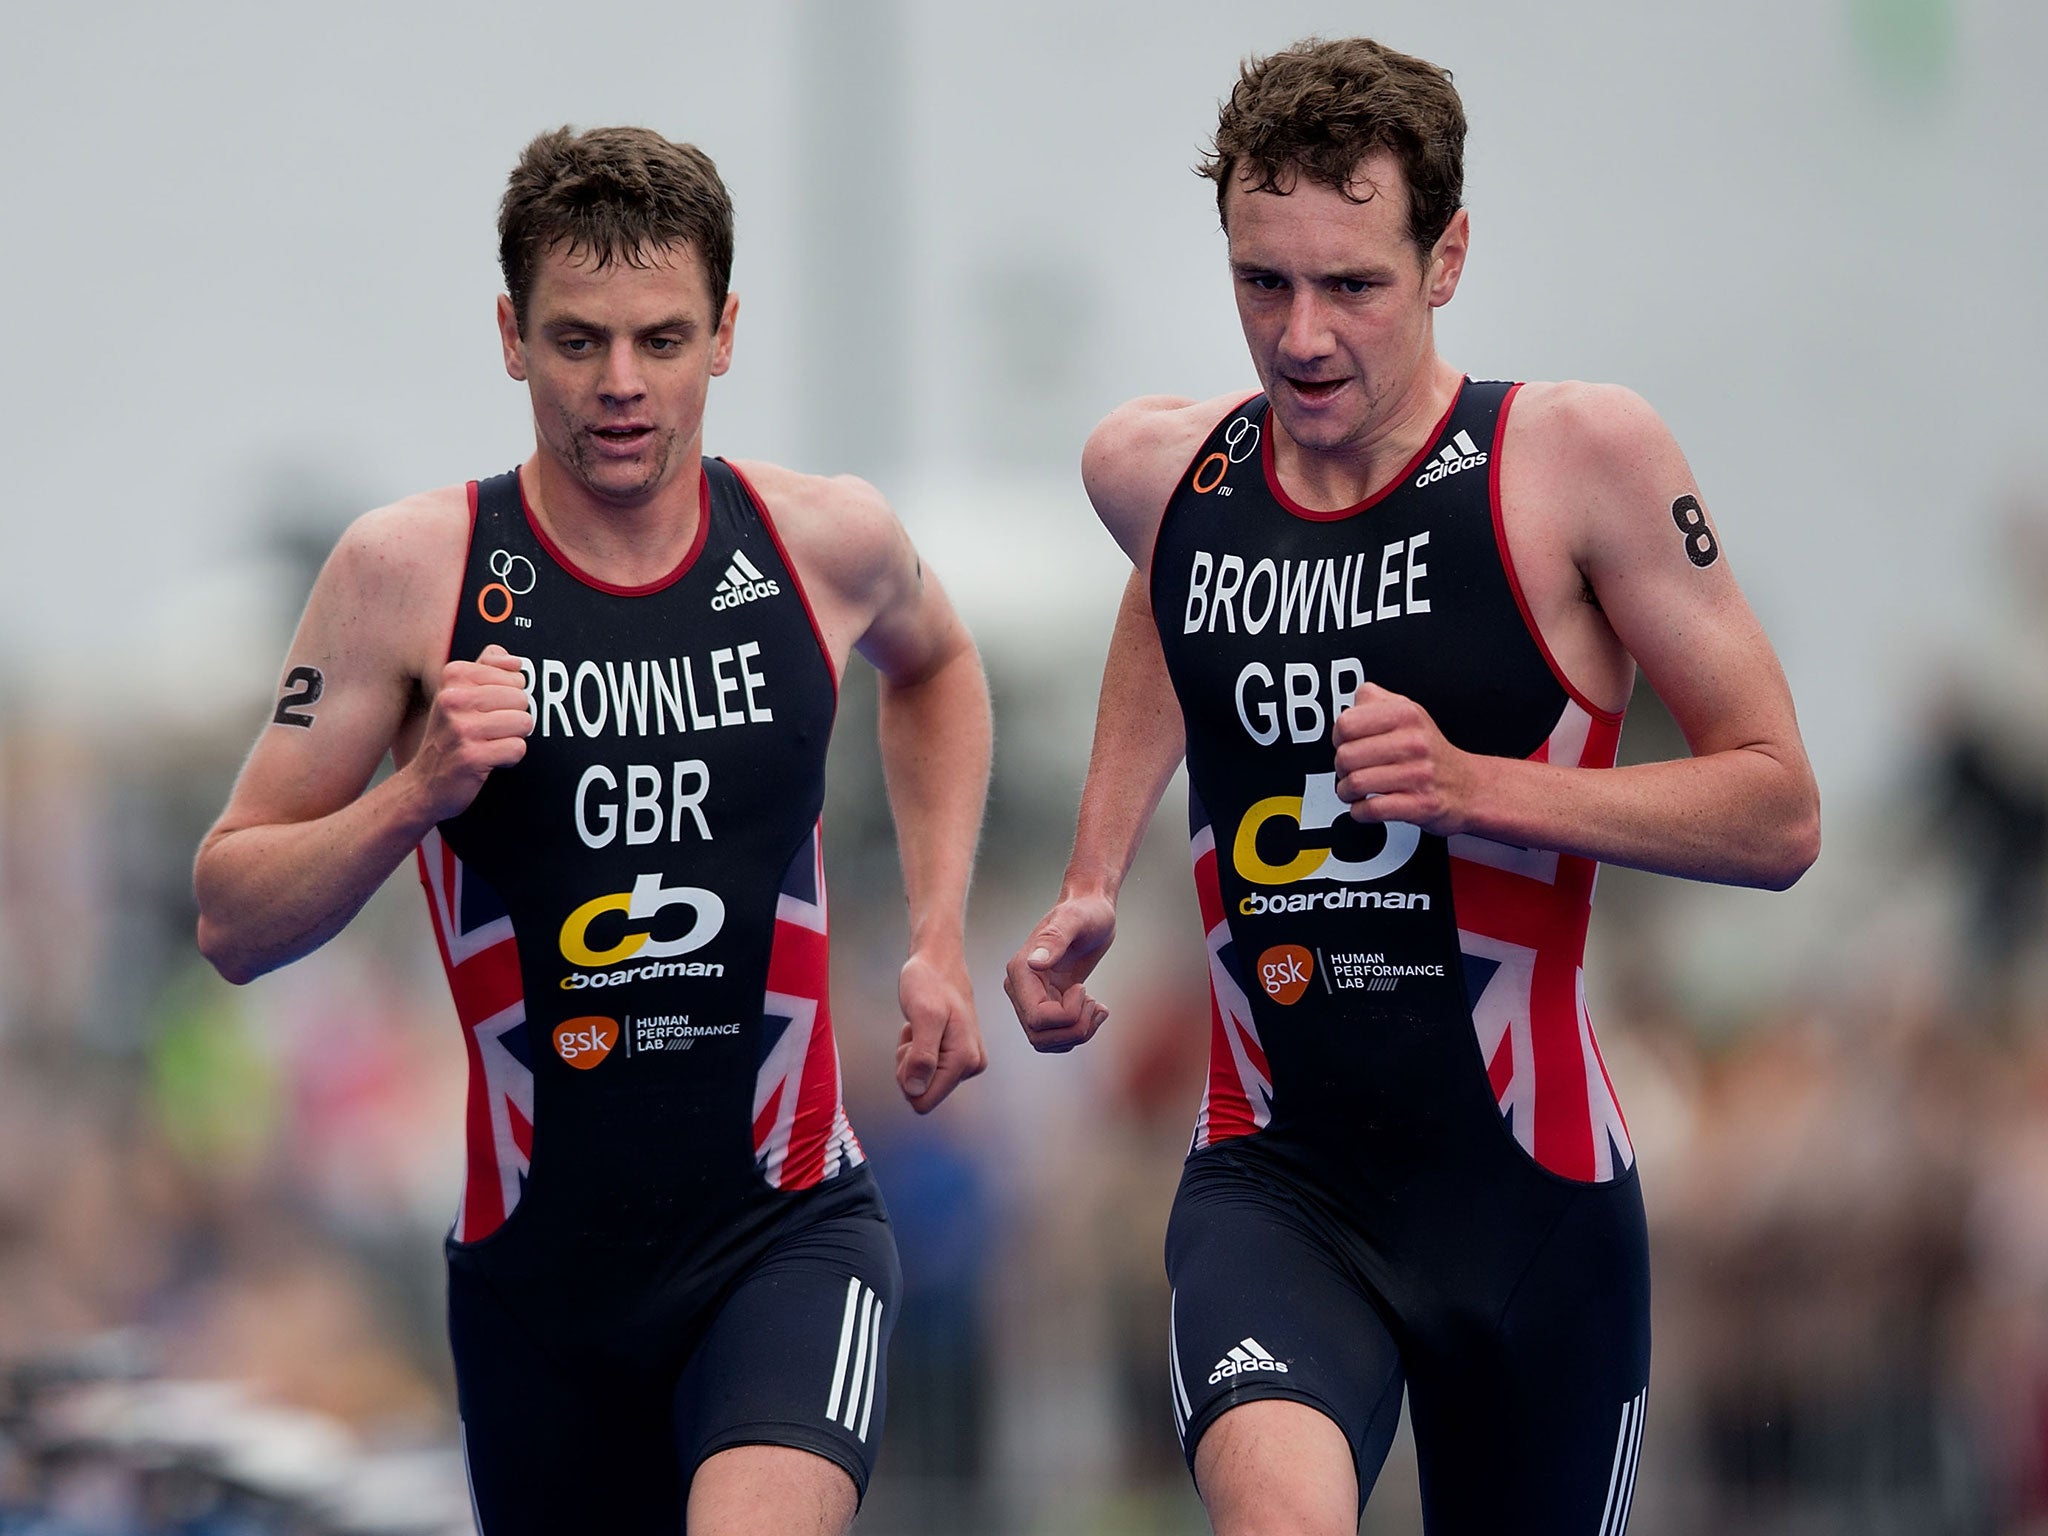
<point x="1342" y="275"/>
<point x="677" y="322"/>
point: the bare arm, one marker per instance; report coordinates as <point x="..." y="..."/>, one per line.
<point x="871" y="592"/>
<point x="1139" y="740"/>
<point x="936" y="743"/>
<point x="1743" y="809"/>
<point x="1129" y="465"/>
<point x="300" y="846"/>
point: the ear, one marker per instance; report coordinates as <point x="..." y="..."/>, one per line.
<point x="509" y="338"/>
<point x="1447" y="260"/>
<point x="721" y="344"/>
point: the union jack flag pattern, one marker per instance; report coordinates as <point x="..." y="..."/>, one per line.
<point x="1522" y="916"/>
<point x="478" y="950"/>
<point x="801" y="1133"/>
<point x="1238" y="1097"/>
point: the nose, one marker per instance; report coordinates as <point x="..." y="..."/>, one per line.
<point x="1307" y="336"/>
<point x="621" y="382"/>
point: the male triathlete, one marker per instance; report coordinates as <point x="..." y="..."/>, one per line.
<point x="1401" y="613"/>
<point x="607" y="680"/>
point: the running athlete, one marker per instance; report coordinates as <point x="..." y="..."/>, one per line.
<point x="606" y="680"/>
<point x="1400" y="613"/>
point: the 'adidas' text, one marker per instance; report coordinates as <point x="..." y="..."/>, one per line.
<point x="1245" y="1355"/>
<point x="742" y="582"/>
<point x="1460" y="453"/>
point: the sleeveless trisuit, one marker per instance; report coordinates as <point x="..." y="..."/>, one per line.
<point x="1409" y="1168"/>
<point x="668" y="1241"/>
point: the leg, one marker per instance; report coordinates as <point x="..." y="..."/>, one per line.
<point x="779" y="1413"/>
<point x="547" y="1449"/>
<point x="770" y="1490"/>
<point x="1277" y="1468"/>
<point x="1286" y="1381"/>
<point x="1537" y="1427"/>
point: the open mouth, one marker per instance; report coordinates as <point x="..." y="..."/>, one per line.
<point x="1314" y="391"/>
<point x="622" y="437"/>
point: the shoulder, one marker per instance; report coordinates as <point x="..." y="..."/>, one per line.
<point x="396" y="548"/>
<point x="1137" y="452"/>
<point x="1605" y="433"/>
<point x="837" y="528"/>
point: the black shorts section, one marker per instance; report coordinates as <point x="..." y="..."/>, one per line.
<point x="554" y="1444"/>
<point x="1523" y="1346"/>
<point x="1263" y="1306"/>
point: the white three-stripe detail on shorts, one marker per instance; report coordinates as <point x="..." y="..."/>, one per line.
<point x="1182" y="1409"/>
<point x="1621" y="1482"/>
<point x="860" y="1333"/>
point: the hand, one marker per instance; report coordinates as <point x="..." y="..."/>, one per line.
<point x="1389" y="749"/>
<point x="479" y="721"/>
<point x="940" y="1046"/>
<point x="1044" y="977"/>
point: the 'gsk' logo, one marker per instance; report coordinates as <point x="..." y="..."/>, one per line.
<point x="1284" y="972"/>
<point x="1313" y="815"/>
<point x="648" y="896"/>
<point x="583" y="1043"/>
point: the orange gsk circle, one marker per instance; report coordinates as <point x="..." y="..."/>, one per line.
<point x="584" y="1042"/>
<point x="1284" y="972"/>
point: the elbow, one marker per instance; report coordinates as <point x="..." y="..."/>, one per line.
<point x="217" y="945"/>
<point x="1795" y="848"/>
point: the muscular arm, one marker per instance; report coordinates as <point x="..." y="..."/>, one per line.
<point x="1139" y="740"/>
<point x="1743" y="809"/>
<point x="871" y="593"/>
<point x="936" y="742"/>
<point x="1129" y="465"/>
<point x="300" y="846"/>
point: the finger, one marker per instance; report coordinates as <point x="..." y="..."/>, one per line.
<point x="1048" y="947"/>
<point x="951" y="1071"/>
<point x="1026" y="989"/>
<point x="484" y="701"/>
<point x="1063" y="1010"/>
<point x="497" y="725"/>
<point x="917" y="1054"/>
<point x="1049" y="1013"/>
<point x="495" y="655"/>
<point x="1389" y="807"/>
<point x="1057" y="1042"/>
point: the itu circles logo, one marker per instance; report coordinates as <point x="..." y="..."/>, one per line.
<point x="516" y="577"/>
<point x="1240" y="442"/>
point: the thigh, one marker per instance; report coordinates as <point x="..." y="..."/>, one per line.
<point x="1264" y="1307"/>
<point x="1537" y="1426"/>
<point x="548" y="1448"/>
<point x="797" y="1354"/>
<point x="770" y="1490"/>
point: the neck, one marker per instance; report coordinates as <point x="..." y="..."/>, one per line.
<point x="1331" y="479"/>
<point x="624" y="543"/>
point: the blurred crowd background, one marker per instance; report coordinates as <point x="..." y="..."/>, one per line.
<point x="252" y="259"/>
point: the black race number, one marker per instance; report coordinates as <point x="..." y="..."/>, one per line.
<point x="303" y="685"/>
<point x="1700" y="547"/>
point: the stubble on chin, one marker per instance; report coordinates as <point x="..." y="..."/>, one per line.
<point x="590" y="469"/>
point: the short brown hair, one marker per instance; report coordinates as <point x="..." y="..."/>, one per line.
<point x="1319" y="108"/>
<point x="615" y="194"/>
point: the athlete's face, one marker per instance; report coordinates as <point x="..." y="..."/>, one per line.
<point x="619" y="360"/>
<point x="1336" y="299"/>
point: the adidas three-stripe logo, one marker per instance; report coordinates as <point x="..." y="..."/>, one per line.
<point x="742" y="582"/>
<point x="1459" y="454"/>
<point x="1246" y="1354"/>
<point x="1628" y="1454"/>
<point x="860" y="1342"/>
